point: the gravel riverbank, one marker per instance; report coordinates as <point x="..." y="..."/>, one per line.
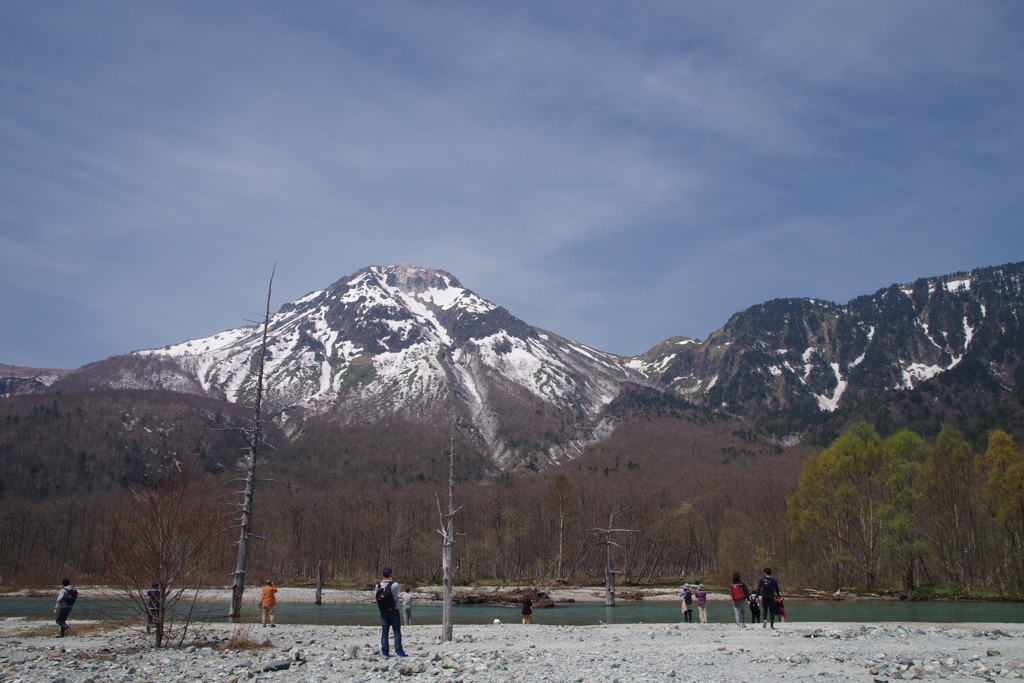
<point x="513" y="652"/>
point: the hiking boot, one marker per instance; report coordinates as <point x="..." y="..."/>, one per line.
<point x="273" y="626"/>
<point x="401" y="654"/>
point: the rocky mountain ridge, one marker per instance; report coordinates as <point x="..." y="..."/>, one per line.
<point x="413" y="341"/>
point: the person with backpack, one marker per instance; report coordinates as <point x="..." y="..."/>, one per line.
<point x="687" y="595"/>
<point x="702" y="603"/>
<point x="739" y="593"/>
<point x="65" y="601"/>
<point x="768" y="589"/>
<point x="755" y="609"/>
<point x="386" y="594"/>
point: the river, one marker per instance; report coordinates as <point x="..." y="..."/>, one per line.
<point x="859" y="611"/>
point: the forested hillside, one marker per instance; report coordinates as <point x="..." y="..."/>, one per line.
<point x="722" y="455"/>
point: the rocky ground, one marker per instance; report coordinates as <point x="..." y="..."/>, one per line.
<point x="29" y="653"/>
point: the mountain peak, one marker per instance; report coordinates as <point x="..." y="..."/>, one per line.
<point x="415" y="280"/>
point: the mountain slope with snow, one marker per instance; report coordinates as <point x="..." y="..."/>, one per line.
<point x="816" y="356"/>
<point x="407" y="339"/>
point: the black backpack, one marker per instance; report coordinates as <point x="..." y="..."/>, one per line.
<point x="384" y="597"/>
<point x="70" y="595"/>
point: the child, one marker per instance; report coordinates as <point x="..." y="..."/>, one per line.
<point x="755" y="610"/>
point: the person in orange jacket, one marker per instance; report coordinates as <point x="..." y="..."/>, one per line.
<point x="267" y="603"/>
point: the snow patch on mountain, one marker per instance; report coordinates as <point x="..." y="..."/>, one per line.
<point x="953" y="286"/>
<point x="830" y="403"/>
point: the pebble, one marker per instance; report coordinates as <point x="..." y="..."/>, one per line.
<point x="715" y="653"/>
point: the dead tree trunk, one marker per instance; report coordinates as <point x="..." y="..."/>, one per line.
<point x="319" y="583"/>
<point x="253" y="436"/>
<point x="609" y="571"/>
<point x="447" y="532"/>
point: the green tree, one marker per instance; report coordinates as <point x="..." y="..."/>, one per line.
<point x="837" y="509"/>
<point x="1001" y="474"/>
<point x="953" y="528"/>
<point x="905" y="455"/>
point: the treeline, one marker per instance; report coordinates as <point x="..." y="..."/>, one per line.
<point x="874" y="512"/>
<point x="866" y="512"/>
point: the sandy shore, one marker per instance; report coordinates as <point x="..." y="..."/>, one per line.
<point x="511" y="652"/>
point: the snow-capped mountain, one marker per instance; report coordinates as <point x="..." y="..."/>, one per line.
<point x="816" y="356"/>
<point x="408" y="339"/>
<point x="411" y="342"/>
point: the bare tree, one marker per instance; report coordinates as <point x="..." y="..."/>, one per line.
<point x="609" y="572"/>
<point x="447" y="532"/>
<point x="559" y="490"/>
<point x="253" y="437"/>
<point x="167" y="536"/>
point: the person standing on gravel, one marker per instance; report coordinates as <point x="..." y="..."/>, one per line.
<point x="755" y="610"/>
<point x="687" y="595"/>
<point x="386" y="593"/>
<point x="739" y="592"/>
<point x="527" y="608"/>
<point x="768" y="589"/>
<point x="407" y="607"/>
<point x="65" y="601"/>
<point x="702" y="603"/>
<point x="267" y="603"/>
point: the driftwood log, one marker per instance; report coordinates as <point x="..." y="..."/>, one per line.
<point x="512" y="598"/>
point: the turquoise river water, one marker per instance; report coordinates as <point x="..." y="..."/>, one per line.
<point x="859" y="611"/>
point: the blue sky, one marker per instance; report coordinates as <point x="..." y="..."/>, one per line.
<point x="616" y="172"/>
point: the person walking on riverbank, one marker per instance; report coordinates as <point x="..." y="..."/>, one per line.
<point x="768" y="589"/>
<point x="386" y="593"/>
<point x="739" y="593"/>
<point x="65" y="601"/>
<point x="702" y="603"/>
<point x="267" y="603"/>
<point x="527" y="608"/>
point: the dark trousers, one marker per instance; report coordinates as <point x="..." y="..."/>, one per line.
<point x="755" y="614"/>
<point x="62" y="618"/>
<point x="390" y="620"/>
<point x="688" y="615"/>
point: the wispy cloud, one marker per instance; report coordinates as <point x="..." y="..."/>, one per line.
<point x="615" y="172"/>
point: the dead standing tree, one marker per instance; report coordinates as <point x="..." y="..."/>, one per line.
<point x="253" y="437"/>
<point x="609" y="572"/>
<point x="447" y="532"/>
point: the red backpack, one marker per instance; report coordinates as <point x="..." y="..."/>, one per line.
<point x="738" y="593"/>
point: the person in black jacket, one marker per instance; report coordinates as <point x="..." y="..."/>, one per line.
<point x="527" y="608"/>
<point x="768" y="589"/>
